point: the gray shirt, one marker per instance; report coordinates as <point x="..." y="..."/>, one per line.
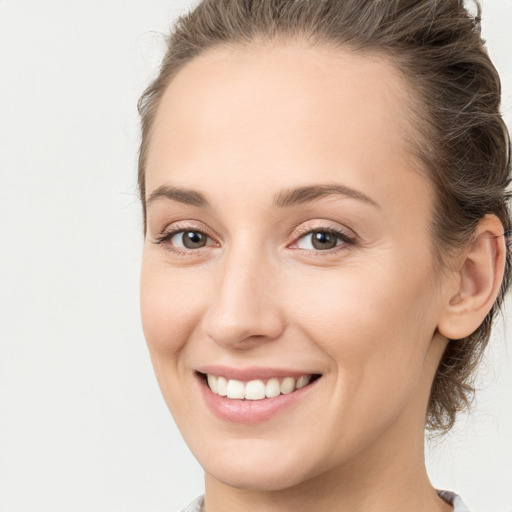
<point x="450" y="497"/>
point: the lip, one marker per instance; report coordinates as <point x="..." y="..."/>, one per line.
<point x="252" y="373"/>
<point x="251" y="411"/>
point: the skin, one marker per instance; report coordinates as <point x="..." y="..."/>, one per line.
<point x="239" y="126"/>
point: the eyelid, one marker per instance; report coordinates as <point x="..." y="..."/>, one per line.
<point x="169" y="232"/>
<point x="185" y="225"/>
<point x="349" y="235"/>
<point x="347" y="240"/>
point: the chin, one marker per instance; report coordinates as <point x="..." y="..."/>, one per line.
<point x="261" y="479"/>
<point x="258" y="471"/>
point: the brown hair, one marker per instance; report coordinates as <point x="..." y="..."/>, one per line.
<point x="461" y="138"/>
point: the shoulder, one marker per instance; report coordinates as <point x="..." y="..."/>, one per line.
<point x="455" y="500"/>
<point x="196" y="505"/>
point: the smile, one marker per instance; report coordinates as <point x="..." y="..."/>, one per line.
<point x="254" y="395"/>
<point x="257" y="389"/>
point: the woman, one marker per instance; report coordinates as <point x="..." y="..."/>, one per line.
<point x="324" y="194"/>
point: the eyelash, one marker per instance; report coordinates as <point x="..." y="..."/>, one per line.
<point x="166" y="236"/>
<point x="347" y="241"/>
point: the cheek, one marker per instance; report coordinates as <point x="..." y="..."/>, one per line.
<point x="375" y="325"/>
<point x="169" y="309"/>
<point x="374" y="330"/>
<point x="361" y="303"/>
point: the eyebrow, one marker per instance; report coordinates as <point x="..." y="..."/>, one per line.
<point x="182" y="195"/>
<point x="284" y="199"/>
<point x="309" y="193"/>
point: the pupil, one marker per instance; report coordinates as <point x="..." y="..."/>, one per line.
<point x="193" y="240"/>
<point x="323" y="240"/>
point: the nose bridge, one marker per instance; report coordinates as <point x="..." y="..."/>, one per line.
<point x="244" y="305"/>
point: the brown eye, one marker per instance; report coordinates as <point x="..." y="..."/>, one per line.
<point x="184" y="241"/>
<point x="189" y="239"/>
<point x="323" y="240"/>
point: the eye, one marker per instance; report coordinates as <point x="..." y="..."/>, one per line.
<point x="323" y="239"/>
<point x="188" y="239"/>
<point x="183" y="240"/>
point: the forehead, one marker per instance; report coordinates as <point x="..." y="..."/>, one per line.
<point x="281" y="110"/>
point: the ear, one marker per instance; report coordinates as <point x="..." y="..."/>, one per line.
<point x="478" y="276"/>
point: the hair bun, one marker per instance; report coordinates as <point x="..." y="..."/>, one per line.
<point x="477" y="24"/>
<point x="477" y="19"/>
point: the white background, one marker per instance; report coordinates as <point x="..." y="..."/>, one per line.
<point x="82" y="424"/>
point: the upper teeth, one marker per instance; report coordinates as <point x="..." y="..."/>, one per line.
<point x="255" y="389"/>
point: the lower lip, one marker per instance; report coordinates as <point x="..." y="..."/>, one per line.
<point x="250" y="411"/>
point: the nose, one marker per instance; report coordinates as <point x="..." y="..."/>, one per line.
<point x="245" y="309"/>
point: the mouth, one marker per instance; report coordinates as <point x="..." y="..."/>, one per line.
<point x="254" y="395"/>
<point x="256" y="389"/>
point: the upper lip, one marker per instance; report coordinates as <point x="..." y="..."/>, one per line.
<point x="252" y="373"/>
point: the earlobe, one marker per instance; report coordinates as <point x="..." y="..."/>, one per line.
<point x="479" y="278"/>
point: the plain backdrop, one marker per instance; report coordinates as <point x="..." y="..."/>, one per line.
<point x="83" y="427"/>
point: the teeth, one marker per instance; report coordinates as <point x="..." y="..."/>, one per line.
<point x="255" y="389"/>
<point x="212" y="382"/>
<point x="222" y="386"/>
<point x="302" y="381"/>
<point x="288" y="385"/>
<point x="236" y="389"/>
<point x="273" y="388"/>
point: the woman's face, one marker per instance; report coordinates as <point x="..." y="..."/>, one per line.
<point x="288" y="236"/>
